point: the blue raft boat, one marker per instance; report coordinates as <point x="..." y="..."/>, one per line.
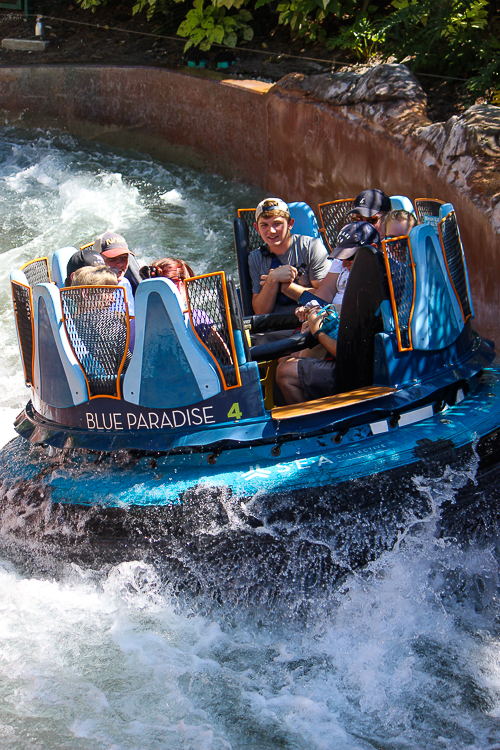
<point x="181" y="445"/>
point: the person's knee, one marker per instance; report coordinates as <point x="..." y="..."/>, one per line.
<point x="286" y="372"/>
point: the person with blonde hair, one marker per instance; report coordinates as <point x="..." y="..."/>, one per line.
<point x="94" y="276"/>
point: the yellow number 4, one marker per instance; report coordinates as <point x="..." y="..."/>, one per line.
<point x="234" y="412"/>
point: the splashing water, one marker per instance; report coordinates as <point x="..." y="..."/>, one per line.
<point x="403" y="654"/>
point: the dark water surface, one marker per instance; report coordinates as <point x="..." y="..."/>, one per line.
<point x="402" y="655"/>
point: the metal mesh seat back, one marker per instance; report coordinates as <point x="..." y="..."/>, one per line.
<point x="97" y="324"/>
<point x="211" y="321"/>
<point x="334" y="217"/>
<point x="428" y="211"/>
<point x="37" y="271"/>
<point x="23" y="311"/>
<point x="248" y="216"/>
<point x="451" y="244"/>
<point x="400" y="275"/>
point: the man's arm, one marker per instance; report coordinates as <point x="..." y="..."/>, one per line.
<point x="264" y="301"/>
<point x="315" y="322"/>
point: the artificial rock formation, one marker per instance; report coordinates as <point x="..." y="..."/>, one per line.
<point x="464" y="151"/>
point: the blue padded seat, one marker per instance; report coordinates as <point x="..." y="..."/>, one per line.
<point x="402" y="203"/>
<point x="169" y="367"/>
<point x="305" y="220"/>
<point x="60" y="264"/>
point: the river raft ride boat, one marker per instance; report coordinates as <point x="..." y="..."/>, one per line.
<point x="190" y="415"/>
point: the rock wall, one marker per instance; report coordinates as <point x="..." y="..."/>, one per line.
<point x="313" y="138"/>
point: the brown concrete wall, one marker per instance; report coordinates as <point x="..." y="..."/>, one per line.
<point x="286" y="143"/>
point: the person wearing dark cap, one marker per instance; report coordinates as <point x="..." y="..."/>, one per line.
<point x="371" y="206"/>
<point x="287" y="264"/>
<point x="332" y="288"/>
<point x="304" y="378"/>
<point x="80" y="259"/>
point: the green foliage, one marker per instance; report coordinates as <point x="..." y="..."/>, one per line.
<point x="456" y="38"/>
<point x="438" y="35"/>
<point x="362" y="38"/>
<point x="212" y="25"/>
<point x="91" y="4"/>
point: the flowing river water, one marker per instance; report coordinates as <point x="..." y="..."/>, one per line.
<point x="404" y="654"/>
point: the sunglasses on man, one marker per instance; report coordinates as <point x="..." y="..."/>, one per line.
<point x="369" y="219"/>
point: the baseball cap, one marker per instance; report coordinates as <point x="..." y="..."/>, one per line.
<point x="111" y="244"/>
<point x="371" y="202"/>
<point x="82" y="258"/>
<point x="353" y="236"/>
<point x="271" y="204"/>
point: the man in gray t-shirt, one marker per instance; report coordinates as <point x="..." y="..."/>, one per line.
<point x="287" y="264"/>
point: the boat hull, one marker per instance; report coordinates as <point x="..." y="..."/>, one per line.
<point x="323" y="506"/>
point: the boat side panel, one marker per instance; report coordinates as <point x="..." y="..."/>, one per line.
<point x="304" y="464"/>
<point x="400" y="369"/>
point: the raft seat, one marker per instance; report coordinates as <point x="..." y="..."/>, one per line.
<point x="169" y="367"/>
<point x="58" y="378"/>
<point x="22" y="299"/>
<point x="333" y="217"/>
<point x="60" y="264"/>
<point x="98" y="327"/>
<point x="428" y="211"/>
<point x="37" y="271"/>
<point x="402" y="203"/>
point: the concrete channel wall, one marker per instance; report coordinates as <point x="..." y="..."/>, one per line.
<point x="279" y="138"/>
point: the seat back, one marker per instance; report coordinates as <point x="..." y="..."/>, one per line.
<point x="60" y="261"/>
<point x="37" y="271"/>
<point x="58" y="378"/>
<point x="402" y="203"/>
<point x="305" y="220"/>
<point x="437" y="318"/>
<point x="428" y="210"/>
<point x="453" y="252"/>
<point x="98" y="327"/>
<point x="247" y="216"/>
<point x="333" y="217"/>
<point x="360" y="321"/>
<point x="23" y="314"/>
<point x="400" y="269"/>
<point x="210" y="319"/>
<point x="170" y="366"/>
